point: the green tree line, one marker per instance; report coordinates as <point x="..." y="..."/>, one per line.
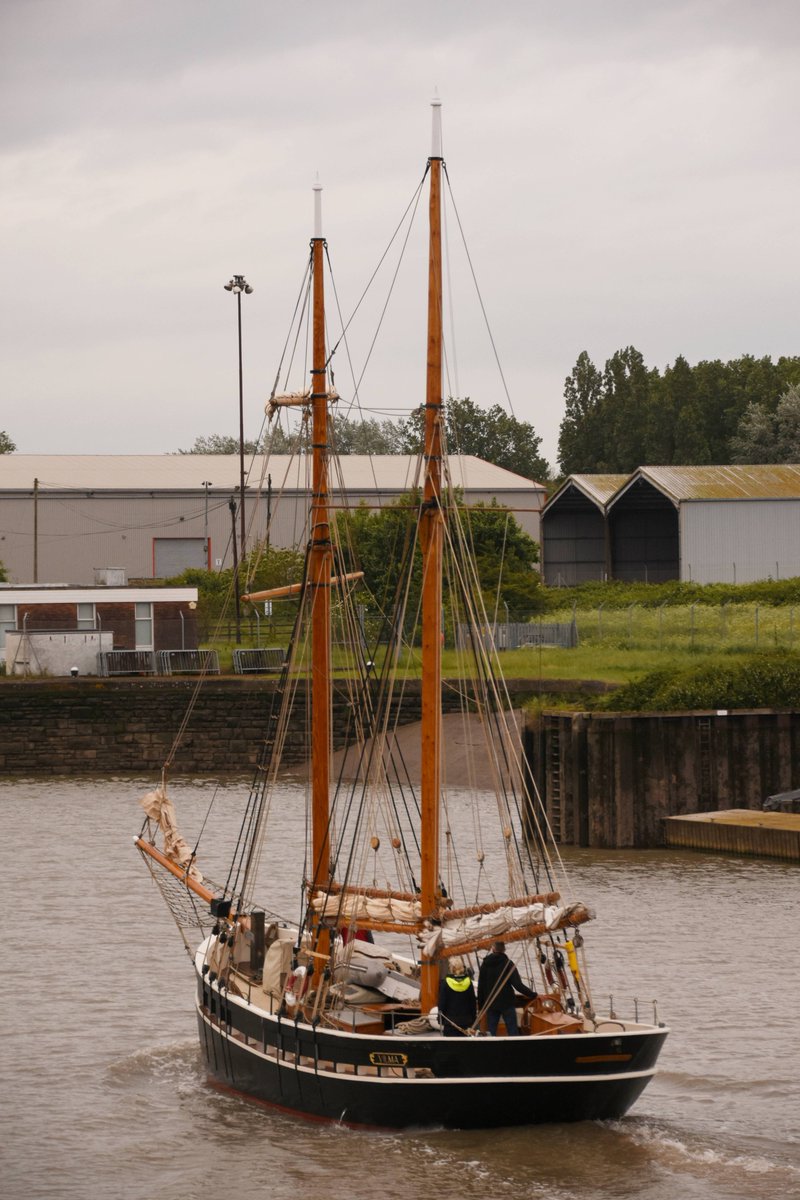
<point x="628" y="414"/>
<point x="491" y="434"/>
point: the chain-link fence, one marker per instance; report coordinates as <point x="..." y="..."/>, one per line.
<point x="706" y="627"/>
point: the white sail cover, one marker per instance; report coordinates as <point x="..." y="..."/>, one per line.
<point x="160" y="809"/>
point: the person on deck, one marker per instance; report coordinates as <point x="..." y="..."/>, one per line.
<point x="457" y="1006"/>
<point x="498" y="980"/>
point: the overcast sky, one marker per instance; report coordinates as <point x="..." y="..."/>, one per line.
<point x="625" y="173"/>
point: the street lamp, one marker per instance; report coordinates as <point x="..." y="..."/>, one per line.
<point x="206" y="486"/>
<point x="237" y="605"/>
<point x="237" y="285"/>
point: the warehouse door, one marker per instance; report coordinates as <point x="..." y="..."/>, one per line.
<point x="172" y="556"/>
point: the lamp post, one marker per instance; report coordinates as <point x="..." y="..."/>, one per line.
<point x="237" y="602"/>
<point x="206" y="486"/>
<point x="238" y="284"/>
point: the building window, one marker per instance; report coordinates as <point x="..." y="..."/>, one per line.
<point x="144" y="627"/>
<point x="8" y="620"/>
<point x="86" y="616"/>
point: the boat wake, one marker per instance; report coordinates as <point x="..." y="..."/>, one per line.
<point x="177" y="1065"/>
<point x="681" y="1154"/>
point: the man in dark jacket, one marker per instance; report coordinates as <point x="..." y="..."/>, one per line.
<point x="498" y="981"/>
<point x="457" y="1007"/>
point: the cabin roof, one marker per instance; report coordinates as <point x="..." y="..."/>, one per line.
<point x="186" y="472"/>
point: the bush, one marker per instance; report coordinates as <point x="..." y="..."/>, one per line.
<point x="768" y="680"/>
<point x="616" y="594"/>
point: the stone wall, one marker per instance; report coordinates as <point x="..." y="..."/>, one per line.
<point x="609" y="780"/>
<point x="127" y="726"/>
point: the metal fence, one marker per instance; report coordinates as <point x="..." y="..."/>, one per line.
<point x="259" y="661"/>
<point x="126" y="662"/>
<point x="188" y="662"/>
<point x="513" y="635"/>
<point x="691" y="626"/>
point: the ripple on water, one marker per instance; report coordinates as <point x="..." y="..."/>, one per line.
<point x="721" y="1164"/>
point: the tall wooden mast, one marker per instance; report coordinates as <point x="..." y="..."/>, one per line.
<point x="432" y="540"/>
<point x="319" y="571"/>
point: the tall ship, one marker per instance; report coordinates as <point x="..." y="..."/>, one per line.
<point x="405" y="886"/>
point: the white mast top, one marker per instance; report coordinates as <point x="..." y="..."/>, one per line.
<point x="436" y="147"/>
<point x="317" y="209"/>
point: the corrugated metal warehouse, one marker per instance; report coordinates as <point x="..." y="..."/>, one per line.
<point x="575" y="530"/>
<point x="62" y="517"/>
<point x="708" y="524"/>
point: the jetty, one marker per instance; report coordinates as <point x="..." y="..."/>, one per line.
<point x="737" y="831"/>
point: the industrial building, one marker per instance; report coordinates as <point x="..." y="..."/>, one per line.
<point x="63" y="517"/>
<point x="50" y="628"/>
<point x="723" y="524"/>
<point x="575" y="530"/>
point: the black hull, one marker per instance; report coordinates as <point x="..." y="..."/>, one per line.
<point x="457" y="1083"/>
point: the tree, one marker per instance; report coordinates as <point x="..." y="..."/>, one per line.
<point x="505" y="556"/>
<point x="365" y="437"/>
<point x="277" y="442"/>
<point x="632" y="415"/>
<point x="580" y="438"/>
<point x="491" y="434"/>
<point x="769" y="437"/>
<point x="670" y="395"/>
<point x="7" y="446"/>
<point x="626" y="410"/>
<point x="349" y="437"/>
<point x="262" y="569"/>
<point x="380" y="541"/>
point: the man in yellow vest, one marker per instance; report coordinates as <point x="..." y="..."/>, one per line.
<point x="457" y="1005"/>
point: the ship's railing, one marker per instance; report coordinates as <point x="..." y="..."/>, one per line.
<point x="259" y="661"/>
<point x="636" y="1004"/>
<point x="126" y="662"/>
<point x="188" y="662"/>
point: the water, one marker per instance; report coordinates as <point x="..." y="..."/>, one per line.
<point x="103" y="1094"/>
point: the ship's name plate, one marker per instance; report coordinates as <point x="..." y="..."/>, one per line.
<point x="381" y="1058"/>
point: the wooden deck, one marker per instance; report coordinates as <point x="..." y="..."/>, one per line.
<point x="737" y="831"/>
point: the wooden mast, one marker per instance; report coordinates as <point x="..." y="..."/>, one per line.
<point x="432" y="541"/>
<point x="320" y="572"/>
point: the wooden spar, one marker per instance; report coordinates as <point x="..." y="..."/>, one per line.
<point x="474" y="910"/>
<point x="175" y="869"/>
<point x="294" y="589"/>
<point x="525" y="934"/>
<point x="369" y="893"/>
<point x="407" y="927"/>
<point x="432" y="542"/>
<point x="319" y="577"/>
<point x="445" y="913"/>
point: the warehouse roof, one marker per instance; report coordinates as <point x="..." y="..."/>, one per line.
<point x="187" y="472"/>
<point x="597" y="488"/>
<point x="769" y="482"/>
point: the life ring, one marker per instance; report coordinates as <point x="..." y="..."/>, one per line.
<point x="296" y="985"/>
